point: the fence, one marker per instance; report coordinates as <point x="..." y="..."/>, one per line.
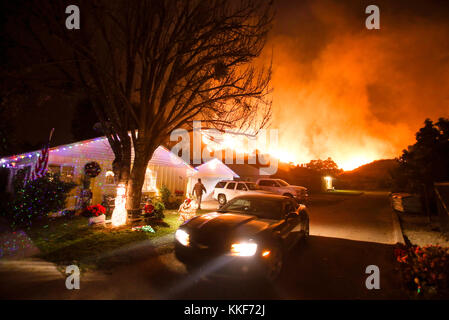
<point x="442" y="198"/>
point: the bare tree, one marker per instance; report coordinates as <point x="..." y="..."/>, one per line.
<point x="151" y="66"/>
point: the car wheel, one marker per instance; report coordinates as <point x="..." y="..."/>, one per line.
<point x="307" y="231"/>
<point x="274" y="264"/>
<point x="222" y="199"/>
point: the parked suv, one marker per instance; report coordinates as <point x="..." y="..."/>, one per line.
<point x="281" y="187"/>
<point x="228" y="189"/>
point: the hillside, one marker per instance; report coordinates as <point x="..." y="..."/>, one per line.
<point x="374" y="175"/>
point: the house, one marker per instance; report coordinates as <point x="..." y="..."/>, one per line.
<point x="164" y="168"/>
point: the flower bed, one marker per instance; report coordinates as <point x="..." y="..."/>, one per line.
<point x="95" y="211"/>
<point x="425" y="270"/>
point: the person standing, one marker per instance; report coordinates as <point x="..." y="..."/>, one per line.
<point x="198" y="189"/>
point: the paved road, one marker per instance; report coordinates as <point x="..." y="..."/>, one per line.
<point x="348" y="233"/>
<point x="364" y="218"/>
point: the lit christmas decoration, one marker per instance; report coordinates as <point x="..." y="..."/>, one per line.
<point x="146" y="228"/>
<point x="119" y="214"/>
<point x="328" y="182"/>
<point x="109" y="173"/>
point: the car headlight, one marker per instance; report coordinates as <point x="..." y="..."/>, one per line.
<point x="182" y="237"/>
<point x="244" y="249"/>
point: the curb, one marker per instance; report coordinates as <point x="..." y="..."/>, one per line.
<point x="398" y="237"/>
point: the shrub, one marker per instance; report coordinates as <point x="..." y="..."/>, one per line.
<point x="165" y="195"/>
<point x="159" y="210"/>
<point x="36" y="199"/>
<point x="174" y="205"/>
<point x="425" y="269"/>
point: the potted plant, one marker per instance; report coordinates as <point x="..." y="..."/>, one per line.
<point x="96" y="214"/>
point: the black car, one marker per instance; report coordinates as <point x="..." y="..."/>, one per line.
<point x="249" y="235"/>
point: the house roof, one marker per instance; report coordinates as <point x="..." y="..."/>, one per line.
<point x="97" y="149"/>
<point x="244" y="169"/>
<point x="215" y="167"/>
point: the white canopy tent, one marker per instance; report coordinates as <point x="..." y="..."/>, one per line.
<point x="210" y="174"/>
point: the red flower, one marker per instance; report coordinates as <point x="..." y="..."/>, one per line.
<point x="96" y="210"/>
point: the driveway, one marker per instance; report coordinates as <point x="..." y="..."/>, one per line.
<point x="348" y="233"/>
<point x="364" y="218"/>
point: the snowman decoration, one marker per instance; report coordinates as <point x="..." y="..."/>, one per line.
<point x="119" y="214"/>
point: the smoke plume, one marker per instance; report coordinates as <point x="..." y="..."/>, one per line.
<point x="353" y="94"/>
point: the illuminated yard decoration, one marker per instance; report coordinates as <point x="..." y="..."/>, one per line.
<point x="119" y="214"/>
<point x="328" y="182"/>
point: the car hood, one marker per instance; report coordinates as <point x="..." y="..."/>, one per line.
<point x="297" y="188"/>
<point x="261" y="191"/>
<point x="219" y="228"/>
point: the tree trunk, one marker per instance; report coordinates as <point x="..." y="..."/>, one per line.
<point x="121" y="165"/>
<point x="125" y="166"/>
<point x="137" y="177"/>
<point x="135" y="184"/>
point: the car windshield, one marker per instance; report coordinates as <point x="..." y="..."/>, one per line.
<point x="261" y="208"/>
<point x="282" y="183"/>
<point x="252" y="186"/>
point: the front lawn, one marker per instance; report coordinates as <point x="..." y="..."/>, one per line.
<point x="69" y="240"/>
<point x="344" y="192"/>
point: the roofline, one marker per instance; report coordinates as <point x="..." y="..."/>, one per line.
<point x="69" y="145"/>
<point x="183" y="161"/>
<point x="15" y="157"/>
<point x="227" y="168"/>
<point x="55" y="147"/>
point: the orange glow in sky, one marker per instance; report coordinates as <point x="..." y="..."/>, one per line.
<point x="347" y="163"/>
<point x="346" y="160"/>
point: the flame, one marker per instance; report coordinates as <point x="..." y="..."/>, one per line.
<point x="284" y="156"/>
<point x="119" y="214"/>
<point x="347" y="160"/>
<point x="355" y="162"/>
